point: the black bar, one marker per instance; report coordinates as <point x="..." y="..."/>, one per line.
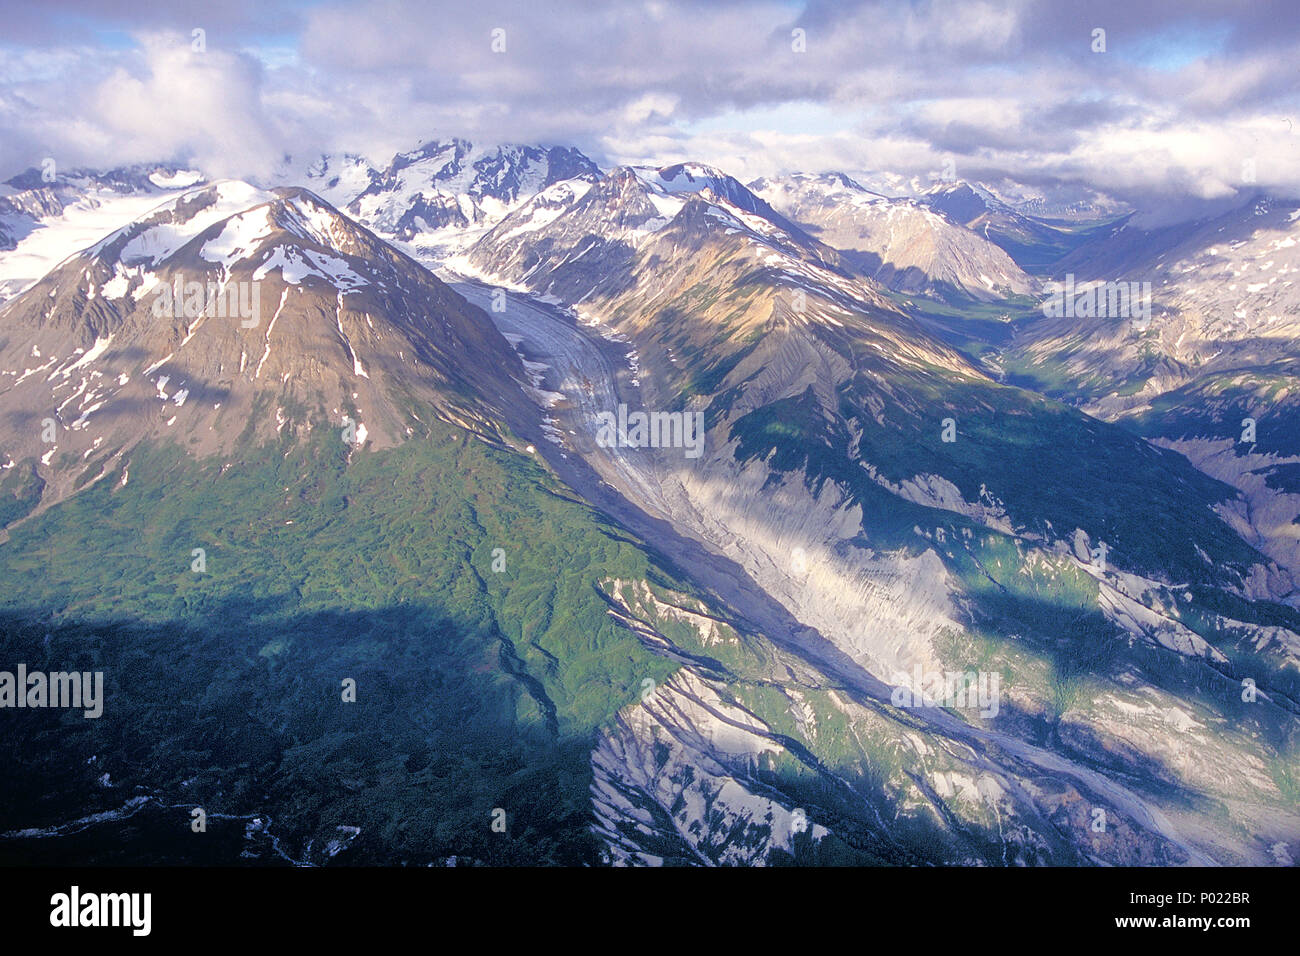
<point x="331" y="905"/>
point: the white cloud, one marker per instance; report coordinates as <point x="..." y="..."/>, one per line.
<point x="1001" y="89"/>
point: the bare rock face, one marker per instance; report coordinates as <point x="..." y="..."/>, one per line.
<point x="680" y="758"/>
<point x="1265" y="512"/>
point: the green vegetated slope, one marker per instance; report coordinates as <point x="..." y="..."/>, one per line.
<point x="1215" y="406"/>
<point x="1045" y="469"/>
<point x="865" y="770"/>
<point x="1030" y="613"/>
<point x="1051" y="468"/>
<point x="476" y="689"/>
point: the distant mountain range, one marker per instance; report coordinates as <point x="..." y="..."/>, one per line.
<point x="910" y="245"/>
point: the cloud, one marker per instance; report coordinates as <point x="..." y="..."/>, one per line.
<point x="161" y="100"/>
<point x="1183" y="97"/>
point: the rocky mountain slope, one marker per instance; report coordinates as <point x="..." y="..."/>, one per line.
<point x="905" y="244"/>
<point x="827" y="477"/>
<point x="437" y="196"/>
<point x="46" y="215"/>
<point x="1035" y="242"/>
<point x="227" y="312"/>
<point x="717" y="649"/>
<point x="1216" y="350"/>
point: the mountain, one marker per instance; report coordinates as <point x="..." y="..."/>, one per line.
<point x="229" y="563"/>
<point x="1215" y="348"/>
<point x="1036" y="244"/>
<point x="232" y="601"/>
<point x="47" y="215"/>
<point x="228" y="311"/>
<point x="442" y="191"/>
<point x="1219" y="299"/>
<point x="432" y="200"/>
<point x="1114" y="579"/>
<point x="515" y="656"/>
<point x="860" y="602"/>
<point x="603" y="227"/>
<point x="899" y="242"/>
<point x="1062" y="202"/>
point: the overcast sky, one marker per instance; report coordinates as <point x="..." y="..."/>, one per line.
<point x="1187" y="96"/>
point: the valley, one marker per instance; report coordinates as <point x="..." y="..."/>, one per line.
<point x="639" y="655"/>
